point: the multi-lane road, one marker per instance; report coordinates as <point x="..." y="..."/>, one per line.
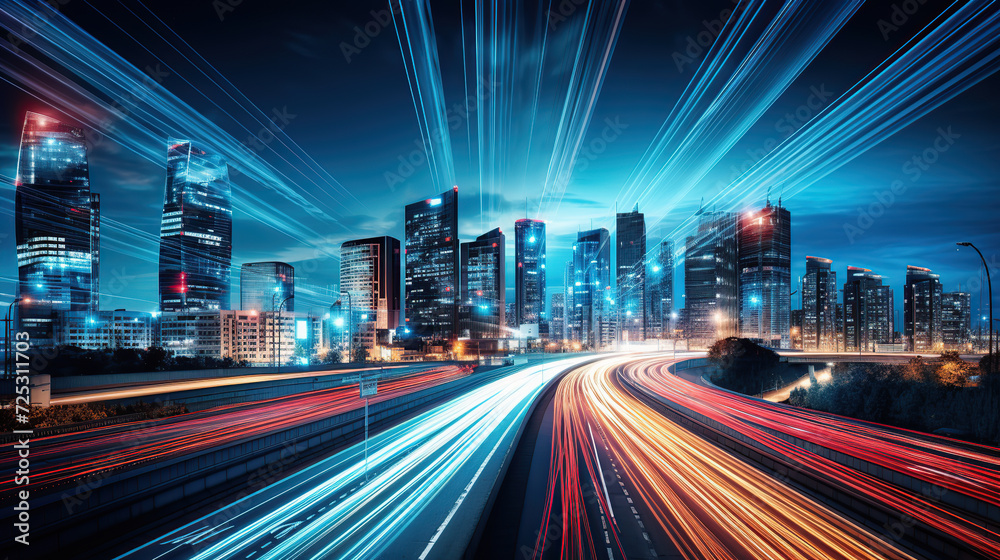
<point x="582" y="457"/>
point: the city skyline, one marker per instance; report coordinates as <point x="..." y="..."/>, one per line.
<point x="827" y="212"/>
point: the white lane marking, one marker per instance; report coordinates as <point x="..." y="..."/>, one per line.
<point x="461" y="497"/>
<point x="600" y="471"/>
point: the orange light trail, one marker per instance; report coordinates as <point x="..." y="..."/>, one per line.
<point x="711" y="504"/>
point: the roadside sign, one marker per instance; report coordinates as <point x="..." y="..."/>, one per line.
<point x="369" y="387"/>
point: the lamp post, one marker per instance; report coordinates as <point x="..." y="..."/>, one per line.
<point x="8" y="330"/>
<point x="989" y="285"/>
<point x="280" y="305"/>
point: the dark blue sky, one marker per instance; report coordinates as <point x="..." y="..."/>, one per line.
<point x="356" y="118"/>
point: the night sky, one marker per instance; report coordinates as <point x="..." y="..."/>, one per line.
<point x="356" y="118"/>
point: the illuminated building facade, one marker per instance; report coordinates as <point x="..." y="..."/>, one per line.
<point x="196" y="233"/>
<point x="922" y="310"/>
<point x="660" y="317"/>
<point x="630" y="273"/>
<point x="264" y="285"/>
<point x="819" y="304"/>
<point x="956" y="321"/>
<point x="711" y="279"/>
<point x="432" y="268"/>
<point x="591" y="284"/>
<point x="557" y="321"/>
<point x="868" y="311"/>
<point x="765" y="275"/>
<point x="529" y="272"/>
<point x="57" y="227"/>
<point x="369" y="271"/>
<point x="483" y="286"/>
<point x="106" y="329"/>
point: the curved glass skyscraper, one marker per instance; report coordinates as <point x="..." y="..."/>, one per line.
<point x="57" y="226"/>
<point x="196" y="232"/>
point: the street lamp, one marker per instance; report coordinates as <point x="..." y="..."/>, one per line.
<point x="989" y="285"/>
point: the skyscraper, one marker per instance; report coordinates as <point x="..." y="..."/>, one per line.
<point x="529" y="272"/>
<point x="263" y="285"/>
<point x="57" y="226"/>
<point x="557" y="323"/>
<point x="660" y="292"/>
<point x="483" y="285"/>
<point x="196" y="234"/>
<point x="868" y="308"/>
<point x="630" y="273"/>
<point x="432" y="270"/>
<point x="591" y="282"/>
<point x="765" y="275"/>
<point x="369" y="272"/>
<point x="956" y="321"/>
<point x="711" y="280"/>
<point x="922" y="310"/>
<point x="819" y="304"/>
<point x="570" y="328"/>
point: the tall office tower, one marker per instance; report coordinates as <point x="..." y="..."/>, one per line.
<point x="660" y="292"/>
<point x="710" y="279"/>
<point x="432" y="271"/>
<point x="369" y="272"/>
<point x="591" y="282"/>
<point x="483" y="285"/>
<point x="765" y="275"/>
<point x="569" y="279"/>
<point x="57" y="226"/>
<point x="264" y="285"/>
<point x="529" y="274"/>
<point x="819" y="303"/>
<point x="922" y="310"/>
<point x="510" y="318"/>
<point x="796" y="329"/>
<point x="630" y="267"/>
<point x="196" y="234"/>
<point x="868" y="308"/>
<point x="956" y="321"/>
<point x="557" y="322"/>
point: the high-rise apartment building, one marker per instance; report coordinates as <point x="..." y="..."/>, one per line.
<point x="660" y="320"/>
<point x="868" y="311"/>
<point x="956" y="321"/>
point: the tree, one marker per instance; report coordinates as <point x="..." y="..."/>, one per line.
<point x="954" y="371"/>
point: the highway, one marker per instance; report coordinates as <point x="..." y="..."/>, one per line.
<point x="428" y="480"/>
<point x="59" y="459"/>
<point x="98" y="394"/>
<point x="685" y="496"/>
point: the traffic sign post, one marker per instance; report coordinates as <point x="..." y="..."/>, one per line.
<point x="368" y="388"/>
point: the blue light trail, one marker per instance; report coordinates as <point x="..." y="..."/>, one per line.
<point x="424" y="472"/>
